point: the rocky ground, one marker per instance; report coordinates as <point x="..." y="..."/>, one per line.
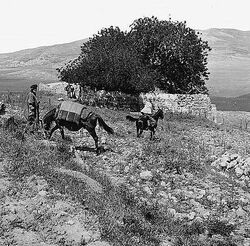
<point x="220" y="191"/>
<point x="34" y="214"/>
<point x="197" y="170"/>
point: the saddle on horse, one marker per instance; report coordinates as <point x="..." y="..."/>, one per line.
<point x="149" y="121"/>
<point x="72" y="112"/>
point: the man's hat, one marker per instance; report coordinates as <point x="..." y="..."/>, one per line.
<point x="33" y="86"/>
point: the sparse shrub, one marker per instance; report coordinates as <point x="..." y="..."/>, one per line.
<point x="176" y="156"/>
<point x="215" y="226"/>
<point x="195" y="228"/>
<point x="10" y="124"/>
<point x="63" y="151"/>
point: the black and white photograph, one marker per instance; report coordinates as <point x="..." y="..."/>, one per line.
<point x="124" y="123"/>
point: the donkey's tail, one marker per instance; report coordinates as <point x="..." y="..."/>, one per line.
<point x="131" y="118"/>
<point x="104" y="125"/>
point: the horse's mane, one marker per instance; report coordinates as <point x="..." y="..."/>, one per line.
<point x="159" y="111"/>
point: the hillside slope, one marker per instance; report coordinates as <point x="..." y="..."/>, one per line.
<point x="228" y="62"/>
<point x="19" y="69"/>
<point x="187" y="187"/>
<point x="240" y="103"/>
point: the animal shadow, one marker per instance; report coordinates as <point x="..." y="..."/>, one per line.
<point x="85" y="148"/>
<point x="101" y="149"/>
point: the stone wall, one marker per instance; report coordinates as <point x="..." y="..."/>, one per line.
<point x="196" y="104"/>
<point x="112" y="100"/>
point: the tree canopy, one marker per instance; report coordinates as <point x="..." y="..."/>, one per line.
<point x="153" y="53"/>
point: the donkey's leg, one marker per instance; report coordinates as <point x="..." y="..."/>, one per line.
<point x="92" y="132"/>
<point x="62" y="132"/>
<point x="139" y="129"/>
<point x="152" y="134"/>
<point x="139" y="132"/>
<point x="94" y="136"/>
<point x="52" y="130"/>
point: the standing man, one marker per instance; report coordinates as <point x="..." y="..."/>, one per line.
<point x="33" y="108"/>
<point x="72" y="90"/>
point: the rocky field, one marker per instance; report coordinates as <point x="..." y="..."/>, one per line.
<point x="189" y="186"/>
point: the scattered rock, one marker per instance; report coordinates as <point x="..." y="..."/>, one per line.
<point x="234" y="162"/>
<point x="148" y="190"/>
<point x="42" y="193"/>
<point x="191" y="215"/>
<point x="239" y="171"/>
<point x="171" y="211"/>
<point x="146" y="175"/>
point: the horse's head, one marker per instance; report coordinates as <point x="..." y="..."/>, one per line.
<point x="159" y="114"/>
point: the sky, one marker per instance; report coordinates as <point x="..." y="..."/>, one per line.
<point x="33" y="23"/>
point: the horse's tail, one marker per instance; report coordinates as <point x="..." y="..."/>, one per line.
<point x="104" y="125"/>
<point x="131" y="118"/>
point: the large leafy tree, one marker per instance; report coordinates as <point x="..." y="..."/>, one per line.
<point x="108" y="61"/>
<point x="154" y="53"/>
<point x="175" y="51"/>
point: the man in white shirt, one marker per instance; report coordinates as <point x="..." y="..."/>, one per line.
<point x="148" y="111"/>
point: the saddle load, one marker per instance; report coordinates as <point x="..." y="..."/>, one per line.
<point x="72" y="112"/>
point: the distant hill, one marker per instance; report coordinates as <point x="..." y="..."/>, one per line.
<point x="241" y="103"/>
<point x="20" y="69"/>
<point x="228" y="63"/>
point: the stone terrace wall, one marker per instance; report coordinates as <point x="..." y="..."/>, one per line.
<point x="196" y="104"/>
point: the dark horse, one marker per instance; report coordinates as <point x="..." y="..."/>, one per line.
<point x="88" y="123"/>
<point x="144" y="123"/>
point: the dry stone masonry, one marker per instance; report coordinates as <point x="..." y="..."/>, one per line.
<point x="236" y="163"/>
<point x="196" y="104"/>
